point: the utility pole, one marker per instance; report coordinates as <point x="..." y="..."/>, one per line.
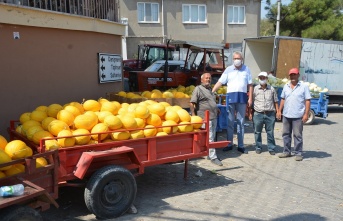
<point x="278" y="18"/>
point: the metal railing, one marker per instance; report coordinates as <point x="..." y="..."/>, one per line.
<point x="102" y="9"/>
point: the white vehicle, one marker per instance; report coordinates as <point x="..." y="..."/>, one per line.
<point x="158" y="66"/>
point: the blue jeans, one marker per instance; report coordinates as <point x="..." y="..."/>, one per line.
<point x="268" y="121"/>
<point x="240" y="110"/>
<point x="294" y="125"/>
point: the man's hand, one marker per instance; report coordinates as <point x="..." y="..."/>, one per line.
<point x="278" y="115"/>
<point x="250" y="102"/>
<point x="305" y="118"/>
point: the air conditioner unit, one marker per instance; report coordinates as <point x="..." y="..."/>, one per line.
<point x="124" y="21"/>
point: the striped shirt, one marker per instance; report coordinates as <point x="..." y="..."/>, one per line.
<point x="264" y="99"/>
<point x="295" y="98"/>
<point x="237" y="83"/>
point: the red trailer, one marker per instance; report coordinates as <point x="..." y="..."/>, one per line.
<point x="107" y="169"/>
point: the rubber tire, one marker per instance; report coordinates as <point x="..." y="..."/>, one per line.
<point x="20" y="213"/>
<point x="311" y="117"/>
<point x="116" y="181"/>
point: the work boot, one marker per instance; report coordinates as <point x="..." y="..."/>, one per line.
<point x="216" y="162"/>
<point x="284" y="155"/>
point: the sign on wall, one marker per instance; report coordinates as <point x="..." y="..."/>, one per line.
<point x="110" y="68"/>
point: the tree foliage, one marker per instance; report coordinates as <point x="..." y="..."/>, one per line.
<point x="320" y="19"/>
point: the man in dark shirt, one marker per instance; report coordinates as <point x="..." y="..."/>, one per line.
<point x="203" y="99"/>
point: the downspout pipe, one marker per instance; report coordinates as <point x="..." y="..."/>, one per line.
<point x="162" y="22"/>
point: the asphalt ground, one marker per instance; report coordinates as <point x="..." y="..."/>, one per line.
<point x="248" y="187"/>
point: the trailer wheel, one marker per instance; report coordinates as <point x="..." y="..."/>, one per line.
<point x="311" y="117"/>
<point x="20" y="213"/>
<point x="110" y="192"/>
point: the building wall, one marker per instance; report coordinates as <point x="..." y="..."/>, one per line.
<point x="171" y="26"/>
<point x="51" y="65"/>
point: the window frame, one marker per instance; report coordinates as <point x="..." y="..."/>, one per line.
<point x="189" y="21"/>
<point x="144" y="12"/>
<point x="238" y="10"/>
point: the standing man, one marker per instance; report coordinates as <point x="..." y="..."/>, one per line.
<point x="238" y="79"/>
<point x="265" y="104"/>
<point x="203" y="99"/>
<point x="295" y="102"/>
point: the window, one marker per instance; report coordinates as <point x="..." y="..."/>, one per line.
<point x="194" y="14"/>
<point x="148" y="12"/>
<point x="236" y="14"/>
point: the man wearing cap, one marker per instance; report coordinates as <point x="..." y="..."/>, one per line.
<point x="265" y="108"/>
<point x="295" y="102"/>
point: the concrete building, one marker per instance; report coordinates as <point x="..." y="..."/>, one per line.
<point x="222" y="21"/>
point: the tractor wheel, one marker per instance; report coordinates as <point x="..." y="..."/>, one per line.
<point x="20" y="213"/>
<point x="110" y="192"/>
<point x="311" y="117"/>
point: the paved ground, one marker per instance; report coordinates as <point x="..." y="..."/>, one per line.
<point x="248" y="187"/>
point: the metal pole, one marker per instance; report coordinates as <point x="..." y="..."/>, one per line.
<point x="278" y="18"/>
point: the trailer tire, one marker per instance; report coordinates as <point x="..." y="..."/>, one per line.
<point x="20" y="213"/>
<point x="110" y="192"/>
<point x="311" y="117"/>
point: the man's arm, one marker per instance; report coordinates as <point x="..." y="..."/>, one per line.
<point x="250" y="94"/>
<point x="216" y="86"/>
<point x="307" y="110"/>
<point x="278" y="114"/>
<point x="192" y="108"/>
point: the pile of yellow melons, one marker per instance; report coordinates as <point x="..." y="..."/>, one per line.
<point x="103" y="120"/>
<point x="15" y="150"/>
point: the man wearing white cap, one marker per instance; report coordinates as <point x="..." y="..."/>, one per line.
<point x="265" y="108"/>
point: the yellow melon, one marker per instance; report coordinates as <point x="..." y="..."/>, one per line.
<point x="66" y="116"/>
<point x="185" y="127"/>
<point x="15" y="169"/>
<point x="122" y="93"/>
<point x="51" y="145"/>
<point x="32" y="130"/>
<point x="99" y="128"/>
<point x="16" y="149"/>
<point x="110" y="106"/>
<point x="56" y="126"/>
<point x="136" y="134"/>
<point x="167" y="94"/>
<point x="102" y="100"/>
<point x="165" y="104"/>
<point x="124" y="105"/>
<point x="103" y="114"/>
<point x="72" y="109"/>
<point x="82" y="137"/>
<point x="141" y="112"/>
<point x="26" y="125"/>
<point x="91" y="105"/>
<point x="128" y="122"/>
<point x="42" y="108"/>
<point x="131" y="108"/>
<point x="53" y="109"/>
<point x="171" y="129"/>
<point x="2" y="174"/>
<point x="86" y="121"/>
<point x="41" y="162"/>
<point x="196" y="121"/>
<point x="38" y="115"/>
<point x="24" y="117"/>
<point x="67" y="141"/>
<point x="146" y="94"/>
<point x="140" y="122"/>
<point x="157" y="108"/>
<point x="120" y="135"/>
<point x="154" y="120"/>
<point x="150" y="131"/>
<point x="172" y="115"/>
<point x="4" y="158"/>
<point x="46" y="122"/>
<point x="78" y="106"/>
<point x="156" y="95"/>
<point x="130" y="95"/>
<point x="3" y="142"/>
<point x="184" y="115"/>
<point x="161" y="133"/>
<point x="176" y="108"/>
<point x="113" y="122"/>
<point x="18" y="129"/>
<point x="123" y="111"/>
<point x="40" y="135"/>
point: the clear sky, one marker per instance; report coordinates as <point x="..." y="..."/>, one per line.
<point x="264" y="12"/>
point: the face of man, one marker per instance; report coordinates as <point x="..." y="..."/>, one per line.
<point x="206" y="80"/>
<point x="294" y="78"/>
<point x="237" y="60"/>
